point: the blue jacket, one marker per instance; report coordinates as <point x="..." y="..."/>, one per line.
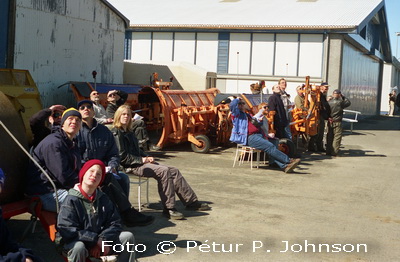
<point x="82" y="220"/>
<point x="60" y="158"/>
<point x="98" y="143"/>
<point x="240" y="124"/>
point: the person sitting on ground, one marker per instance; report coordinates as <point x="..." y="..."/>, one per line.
<point x="244" y="132"/>
<point x="89" y="221"/>
<point x="115" y="99"/>
<point x="95" y="141"/>
<point x="45" y="122"/>
<point x="99" y="111"/>
<point x="169" y="179"/>
<point x="9" y="249"/>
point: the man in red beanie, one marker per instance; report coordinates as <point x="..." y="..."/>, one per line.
<point x="89" y="223"/>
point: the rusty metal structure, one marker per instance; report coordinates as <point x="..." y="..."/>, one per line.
<point x="176" y="116"/>
<point x="305" y="123"/>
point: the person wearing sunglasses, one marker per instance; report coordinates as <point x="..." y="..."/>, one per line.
<point x="95" y="141"/>
<point x="115" y="99"/>
<point x="247" y="131"/>
<point x="45" y="122"/>
<point x="99" y="111"/>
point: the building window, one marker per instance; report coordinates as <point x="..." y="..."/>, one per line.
<point x="223" y="53"/>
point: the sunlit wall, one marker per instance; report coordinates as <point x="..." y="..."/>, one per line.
<point x="360" y="80"/>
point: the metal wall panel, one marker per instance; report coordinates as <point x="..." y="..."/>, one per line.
<point x="360" y="80"/>
<point x="65" y="40"/>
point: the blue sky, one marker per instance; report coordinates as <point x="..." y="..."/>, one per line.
<point x="393" y="17"/>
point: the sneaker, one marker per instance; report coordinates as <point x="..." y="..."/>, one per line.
<point x="133" y="218"/>
<point x="197" y="206"/>
<point x="292" y="165"/>
<point x="173" y="214"/>
<point x="154" y="148"/>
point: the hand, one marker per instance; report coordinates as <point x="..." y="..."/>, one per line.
<point x="109" y="120"/>
<point x="148" y="159"/>
<point x="271" y="135"/>
<point x="28" y="259"/>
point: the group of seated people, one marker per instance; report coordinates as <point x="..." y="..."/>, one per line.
<point x="75" y="150"/>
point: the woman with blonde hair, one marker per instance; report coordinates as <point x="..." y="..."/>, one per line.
<point x="134" y="160"/>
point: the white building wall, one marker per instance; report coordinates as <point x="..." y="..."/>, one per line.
<point x="141" y="46"/>
<point x="207" y="51"/>
<point x="184" y="47"/>
<point x="286" y="54"/>
<point x="310" y="55"/>
<point x="162" y="47"/>
<point x="263" y="54"/>
<point x="66" y="40"/>
<point x="239" y="54"/>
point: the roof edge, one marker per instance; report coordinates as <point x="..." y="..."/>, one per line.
<point x="115" y="10"/>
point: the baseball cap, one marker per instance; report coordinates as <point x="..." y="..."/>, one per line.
<point x="337" y="91"/>
<point x="324" y="84"/>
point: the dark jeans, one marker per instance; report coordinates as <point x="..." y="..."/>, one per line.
<point x="259" y="142"/>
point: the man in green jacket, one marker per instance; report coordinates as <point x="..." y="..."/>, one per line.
<point x="334" y="136"/>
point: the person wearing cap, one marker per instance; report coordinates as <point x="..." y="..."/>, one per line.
<point x="99" y="111"/>
<point x="334" y="136"/>
<point x="45" y="122"/>
<point x="115" y="99"/>
<point x="316" y="143"/>
<point x="169" y="179"/>
<point x="58" y="154"/>
<point x="95" y="141"/>
<point x="89" y="223"/>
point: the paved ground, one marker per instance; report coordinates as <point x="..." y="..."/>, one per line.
<point x="348" y="204"/>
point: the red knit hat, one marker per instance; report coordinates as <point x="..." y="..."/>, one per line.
<point x="88" y="165"/>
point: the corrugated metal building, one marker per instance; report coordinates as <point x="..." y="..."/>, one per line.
<point x="343" y="42"/>
<point x="62" y="40"/>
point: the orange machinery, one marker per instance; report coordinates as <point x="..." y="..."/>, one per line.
<point x="182" y="115"/>
<point x="305" y="123"/>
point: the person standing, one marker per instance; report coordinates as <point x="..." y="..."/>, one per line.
<point x="280" y="118"/>
<point x="392" y="101"/>
<point x="334" y="136"/>
<point x="316" y="142"/>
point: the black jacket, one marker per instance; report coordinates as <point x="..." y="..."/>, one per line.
<point x="275" y="104"/>
<point x="82" y="220"/>
<point x="98" y="143"/>
<point x="337" y="106"/>
<point x="128" y="146"/>
<point x="325" y="109"/>
<point x="60" y="158"/>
